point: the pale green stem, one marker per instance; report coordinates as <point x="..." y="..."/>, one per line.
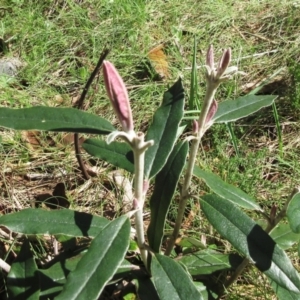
<point x="209" y="97"/>
<point x="139" y="158"/>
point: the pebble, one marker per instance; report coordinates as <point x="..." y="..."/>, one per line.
<point x="9" y="66"/>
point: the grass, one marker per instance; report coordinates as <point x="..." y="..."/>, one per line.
<point x="59" y="43"/>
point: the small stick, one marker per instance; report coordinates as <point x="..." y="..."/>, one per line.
<point x="79" y="105"/>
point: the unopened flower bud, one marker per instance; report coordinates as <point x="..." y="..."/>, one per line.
<point x="210" y="57"/>
<point x="118" y="95"/>
<point x="224" y="62"/>
<point x="195" y="127"/>
<point x="135" y="204"/>
<point x="212" y="111"/>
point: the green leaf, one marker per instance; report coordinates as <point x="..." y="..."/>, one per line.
<point x="129" y="296"/>
<point x="125" y="269"/>
<point x="22" y="280"/>
<point x="53" y="278"/>
<point x="163" y="129"/>
<point x="164" y="188"/>
<point x="64" y="221"/>
<point x="293" y="213"/>
<point x="190" y="242"/>
<point x="250" y="239"/>
<point x="54" y="119"/>
<point x="232" y="110"/>
<point x="209" y="261"/>
<point x="226" y="191"/>
<point x="145" y="288"/>
<point x="205" y="293"/>
<point x="100" y="263"/>
<point x="283" y="235"/>
<point x="133" y="245"/>
<point x="284" y="294"/>
<point x="67" y="242"/>
<point x="171" y="281"/>
<point x="194" y="101"/>
<point x="115" y="153"/>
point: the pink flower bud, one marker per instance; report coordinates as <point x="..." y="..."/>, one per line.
<point x="210" y="57"/>
<point x="195" y="127"/>
<point x="118" y="95"/>
<point x="135" y="204"/>
<point x="212" y="111"/>
<point x="224" y="62"/>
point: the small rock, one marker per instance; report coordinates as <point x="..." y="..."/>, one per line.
<point x="9" y="66"/>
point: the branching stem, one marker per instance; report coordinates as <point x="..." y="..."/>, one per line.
<point x="139" y="160"/>
<point x="209" y="97"/>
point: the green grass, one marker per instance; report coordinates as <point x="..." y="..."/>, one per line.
<point x="59" y="43"/>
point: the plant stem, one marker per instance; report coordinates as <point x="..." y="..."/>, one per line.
<point x="184" y="195"/>
<point x="236" y="274"/>
<point x="233" y="138"/>
<point x="139" y="158"/>
<point x="278" y="129"/>
<point x="209" y="96"/>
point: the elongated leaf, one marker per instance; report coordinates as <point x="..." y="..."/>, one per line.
<point x="232" y="110"/>
<point x="117" y="154"/>
<point x="194" y="100"/>
<point x="163" y="129"/>
<point x="165" y="185"/>
<point x="53" y="119"/>
<point x="190" y="242"/>
<point x="209" y="261"/>
<point x="171" y="281"/>
<point x="53" y="278"/>
<point x="283" y="235"/>
<point x="250" y="239"/>
<point x="65" y="221"/>
<point x="22" y="280"/>
<point x="284" y="294"/>
<point x="226" y="190"/>
<point x="145" y="288"/>
<point x="293" y="213"/>
<point x="100" y="263"/>
<point x="125" y="269"/>
<point x="205" y="293"/>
